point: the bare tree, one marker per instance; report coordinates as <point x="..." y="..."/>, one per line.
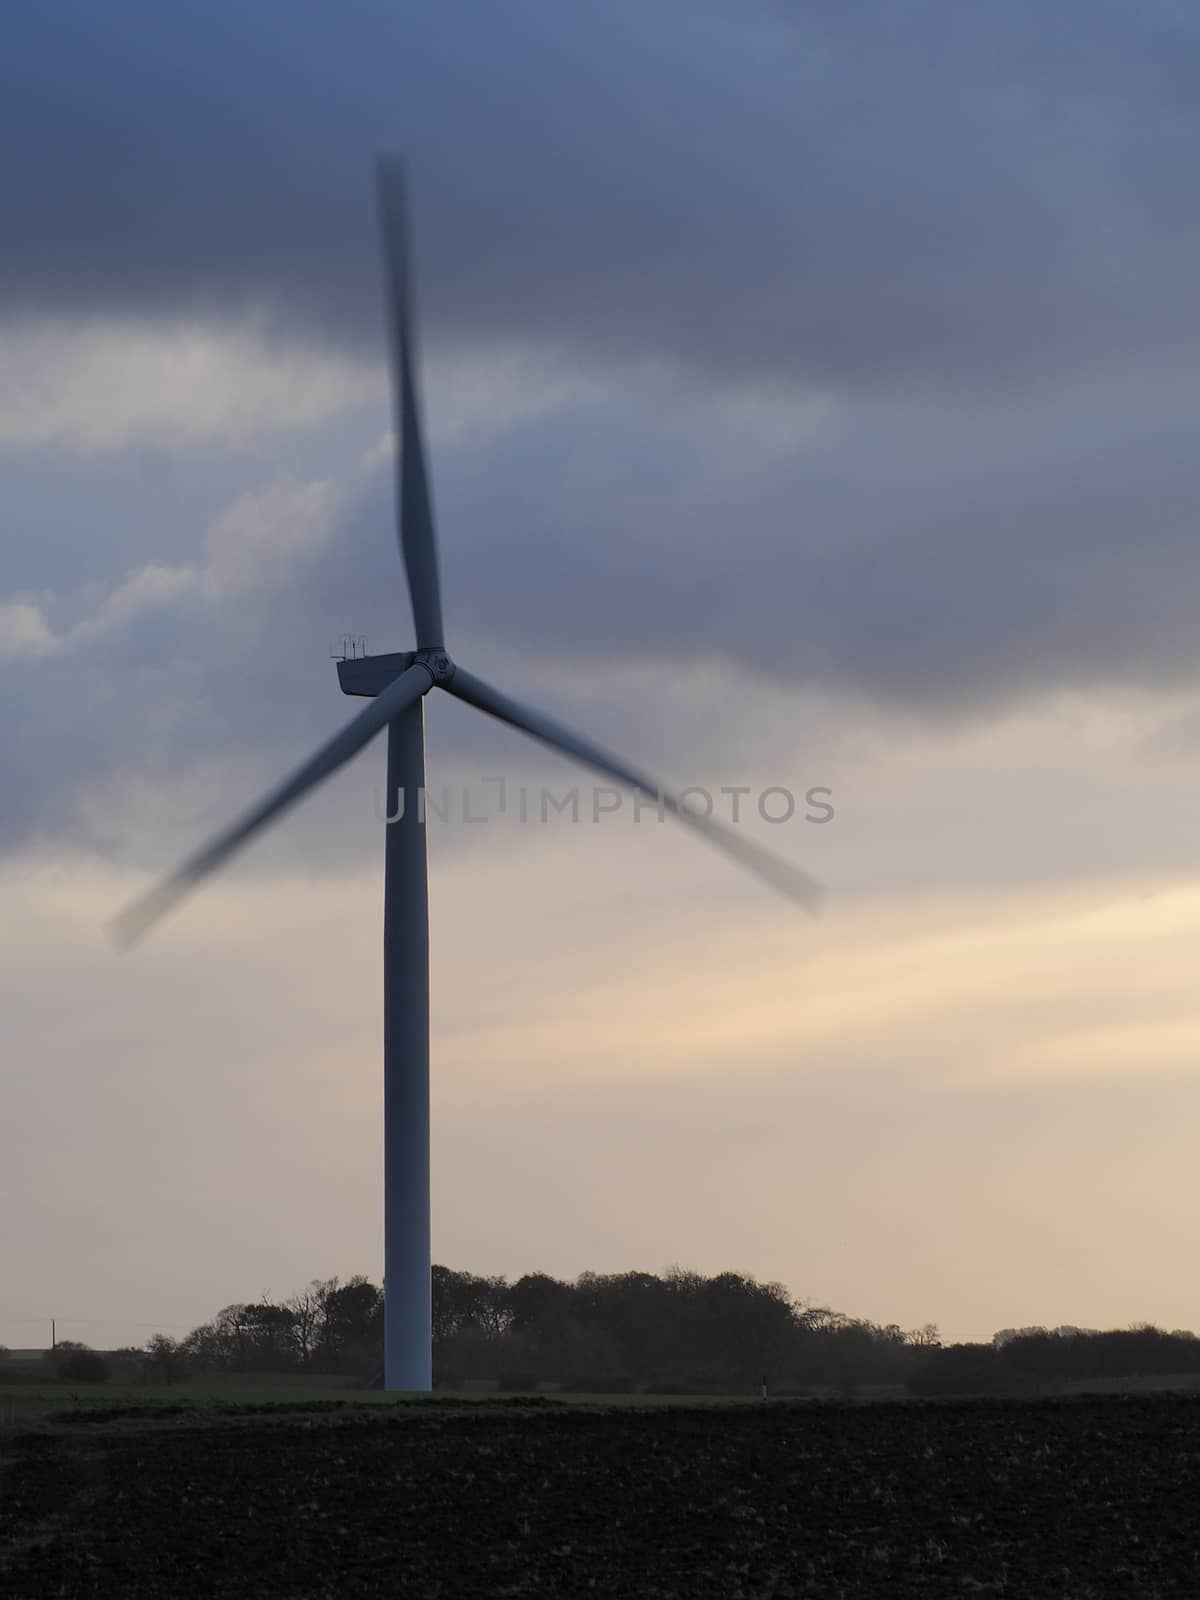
<point x="308" y="1314"/>
<point x="926" y="1337"/>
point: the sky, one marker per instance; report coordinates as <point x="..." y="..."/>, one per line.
<point x="810" y="394"/>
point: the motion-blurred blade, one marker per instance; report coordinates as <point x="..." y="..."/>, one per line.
<point x="138" y="918"/>
<point x="780" y="874"/>
<point x="418" y="543"/>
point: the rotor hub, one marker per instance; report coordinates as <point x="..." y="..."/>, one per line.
<point x="436" y="662"/>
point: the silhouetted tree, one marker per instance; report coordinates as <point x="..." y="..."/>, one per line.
<point x="209" y="1348"/>
<point x="636" y="1312"/>
<point x="680" y="1331"/>
<point x="960" y="1369"/>
<point x="464" y="1301"/>
<point x="1037" y="1356"/>
<point x="168" y="1360"/>
<point x="307" y="1311"/>
<point x="267" y="1337"/>
<point x="540" y="1302"/>
<point x="925" y="1337"/>
<point x="78" y="1363"/>
<point x="350" y="1336"/>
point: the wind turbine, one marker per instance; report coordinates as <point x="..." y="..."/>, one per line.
<point x="396" y="685"/>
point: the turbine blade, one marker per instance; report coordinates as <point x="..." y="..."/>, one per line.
<point x="137" y="919"/>
<point x="418" y="543"/>
<point x="780" y="874"/>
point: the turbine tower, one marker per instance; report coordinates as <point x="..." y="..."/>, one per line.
<point x="396" y="686"/>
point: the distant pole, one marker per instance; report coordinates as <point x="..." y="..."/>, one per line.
<point x="53" y="1340"/>
<point x="407" y="1288"/>
<point x="764" y="1386"/>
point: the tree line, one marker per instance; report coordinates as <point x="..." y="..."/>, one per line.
<point x="677" y="1332"/>
<point x="1017" y="1361"/>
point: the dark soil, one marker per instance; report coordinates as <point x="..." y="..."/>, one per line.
<point x="1031" y="1499"/>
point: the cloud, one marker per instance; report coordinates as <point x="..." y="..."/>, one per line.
<point x="967" y="200"/>
<point x="815" y="355"/>
<point x="148" y="589"/>
<point x="255" y="544"/>
<point x="259" y="538"/>
<point x="484" y="394"/>
<point x="23" y="630"/>
<point x="144" y="686"/>
<point x="689" y="589"/>
<point x="907" y="558"/>
<point x="95" y="384"/>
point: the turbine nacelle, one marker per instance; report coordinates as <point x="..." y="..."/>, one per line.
<point x="370" y="675"/>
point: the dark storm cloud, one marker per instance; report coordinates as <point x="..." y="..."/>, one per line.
<point x="917" y="560"/>
<point x="926" y="194"/>
<point x="961" y="574"/>
<point x="973" y="229"/>
<point x="952" y="580"/>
